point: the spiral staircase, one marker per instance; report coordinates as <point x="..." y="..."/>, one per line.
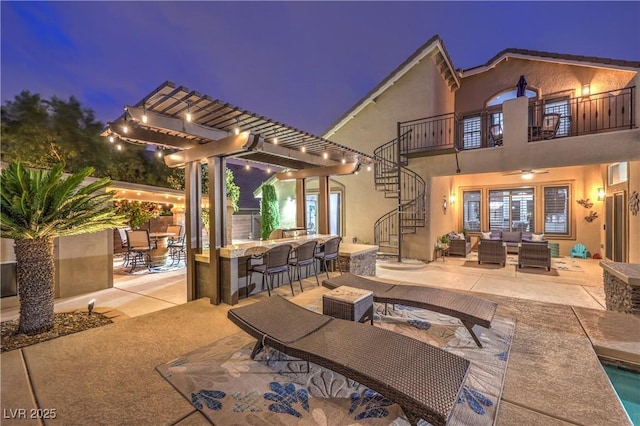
<point x="392" y="177"/>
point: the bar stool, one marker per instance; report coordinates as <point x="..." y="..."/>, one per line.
<point x="330" y="252"/>
<point x="305" y="256"/>
<point x="275" y="262"/>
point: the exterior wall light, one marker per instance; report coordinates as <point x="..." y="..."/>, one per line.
<point x="586" y="89"/>
<point x="444" y="204"/>
<point x="601" y="194"/>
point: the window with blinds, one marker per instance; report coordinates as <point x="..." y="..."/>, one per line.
<point x="556" y="210"/>
<point x="471" y="132"/>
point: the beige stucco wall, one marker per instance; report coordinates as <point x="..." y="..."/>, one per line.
<point x="545" y="77"/>
<point x="84" y="263"/>
<point x="421" y="92"/>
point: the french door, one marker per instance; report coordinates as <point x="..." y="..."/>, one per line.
<point x="615" y="228"/>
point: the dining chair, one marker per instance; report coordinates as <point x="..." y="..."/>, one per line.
<point x="139" y="248"/>
<point x="305" y="256"/>
<point x="330" y="252"/>
<point x="275" y="261"/>
<point x="124" y="244"/>
<point x="496" y="134"/>
<point x="550" y="125"/>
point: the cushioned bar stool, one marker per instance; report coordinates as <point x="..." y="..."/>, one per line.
<point x="275" y="261"/>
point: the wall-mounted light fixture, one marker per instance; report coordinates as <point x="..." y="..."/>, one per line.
<point x="601" y="194"/>
<point x="444" y="204"/>
<point x="452" y="199"/>
<point x="586" y="89"/>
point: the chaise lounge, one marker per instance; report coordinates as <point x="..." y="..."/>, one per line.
<point x="470" y="310"/>
<point x="423" y="380"/>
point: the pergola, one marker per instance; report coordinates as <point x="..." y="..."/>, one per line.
<point x="196" y="129"/>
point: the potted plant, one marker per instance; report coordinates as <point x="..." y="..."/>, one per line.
<point x="38" y="206"/>
<point x="137" y="213"/>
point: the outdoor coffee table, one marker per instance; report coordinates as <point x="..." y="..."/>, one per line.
<point x="349" y="303"/>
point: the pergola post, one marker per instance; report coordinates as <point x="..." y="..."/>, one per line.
<point x="217" y="226"/>
<point x="193" y="223"/>
<point x="301" y="205"/>
<point x="323" y="204"/>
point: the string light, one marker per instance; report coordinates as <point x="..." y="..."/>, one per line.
<point x="344" y="160"/>
<point x="125" y="128"/>
<point x="159" y="153"/>
<point x="368" y="168"/>
<point x="112" y="139"/>
<point x="325" y="155"/>
<point x="236" y="130"/>
<point x="303" y="149"/>
<point x="268" y="170"/>
<point x="119" y="147"/>
<point x="144" y="114"/>
<point x="189" y="118"/>
<point x="275" y="138"/>
<point x="246" y="166"/>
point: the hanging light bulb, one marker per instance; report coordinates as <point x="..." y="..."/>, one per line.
<point x="344" y="160"/>
<point x="246" y="166"/>
<point x="188" y="116"/>
<point x="303" y="149"/>
<point x="275" y="140"/>
<point x="268" y="170"/>
<point x="119" y="147"/>
<point x="236" y="130"/>
<point x="125" y="128"/>
<point x="112" y="139"/>
<point x="368" y="168"/>
<point x="159" y="153"/>
<point x="144" y="114"/>
<point x="325" y="155"/>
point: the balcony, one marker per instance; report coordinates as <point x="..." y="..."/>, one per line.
<point x="576" y="116"/>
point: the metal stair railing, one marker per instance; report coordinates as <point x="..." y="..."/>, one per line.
<point x="403" y="184"/>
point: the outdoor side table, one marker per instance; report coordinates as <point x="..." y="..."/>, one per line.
<point x="348" y="303"/>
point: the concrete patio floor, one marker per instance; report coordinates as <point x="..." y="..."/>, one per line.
<point x="107" y="375"/>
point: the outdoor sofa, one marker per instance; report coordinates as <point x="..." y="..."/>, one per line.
<point x="469" y="309"/>
<point x="425" y="381"/>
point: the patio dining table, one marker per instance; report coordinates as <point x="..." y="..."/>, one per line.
<point x="160" y="251"/>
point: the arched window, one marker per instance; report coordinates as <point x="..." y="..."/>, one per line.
<point x="509" y="94"/>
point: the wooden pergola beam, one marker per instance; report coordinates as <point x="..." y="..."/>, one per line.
<point x="164" y="122"/>
<point x="221" y="148"/>
<point x="341" y="169"/>
<point x="145" y="136"/>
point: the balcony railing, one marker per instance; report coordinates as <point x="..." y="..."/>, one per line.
<point x="600" y="112"/>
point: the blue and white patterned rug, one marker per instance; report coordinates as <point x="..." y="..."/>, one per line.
<point x="228" y="387"/>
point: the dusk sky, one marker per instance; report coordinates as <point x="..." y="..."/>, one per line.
<point x="301" y="63"/>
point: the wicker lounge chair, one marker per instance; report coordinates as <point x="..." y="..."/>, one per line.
<point x="492" y="251"/>
<point x="534" y="254"/>
<point x="424" y="380"/>
<point x="470" y="310"/>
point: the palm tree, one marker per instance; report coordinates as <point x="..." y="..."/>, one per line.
<point x="37" y="206"/>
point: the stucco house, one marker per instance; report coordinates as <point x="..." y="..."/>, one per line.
<point x="475" y="153"/>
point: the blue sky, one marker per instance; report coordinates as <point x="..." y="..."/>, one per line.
<point x="301" y="63"/>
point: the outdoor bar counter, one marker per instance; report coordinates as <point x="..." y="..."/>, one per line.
<point x="358" y="259"/>
<point x="622" y="286"/>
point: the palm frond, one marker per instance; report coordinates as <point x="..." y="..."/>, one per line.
<point x="37" y="203"/>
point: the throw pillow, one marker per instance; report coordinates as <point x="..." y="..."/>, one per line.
<point x="486" y="235"/>
<point x="537" y="237"/>
<point x="461" y="236"/>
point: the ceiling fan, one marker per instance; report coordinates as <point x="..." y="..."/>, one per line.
<point x="526" y="173"/>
